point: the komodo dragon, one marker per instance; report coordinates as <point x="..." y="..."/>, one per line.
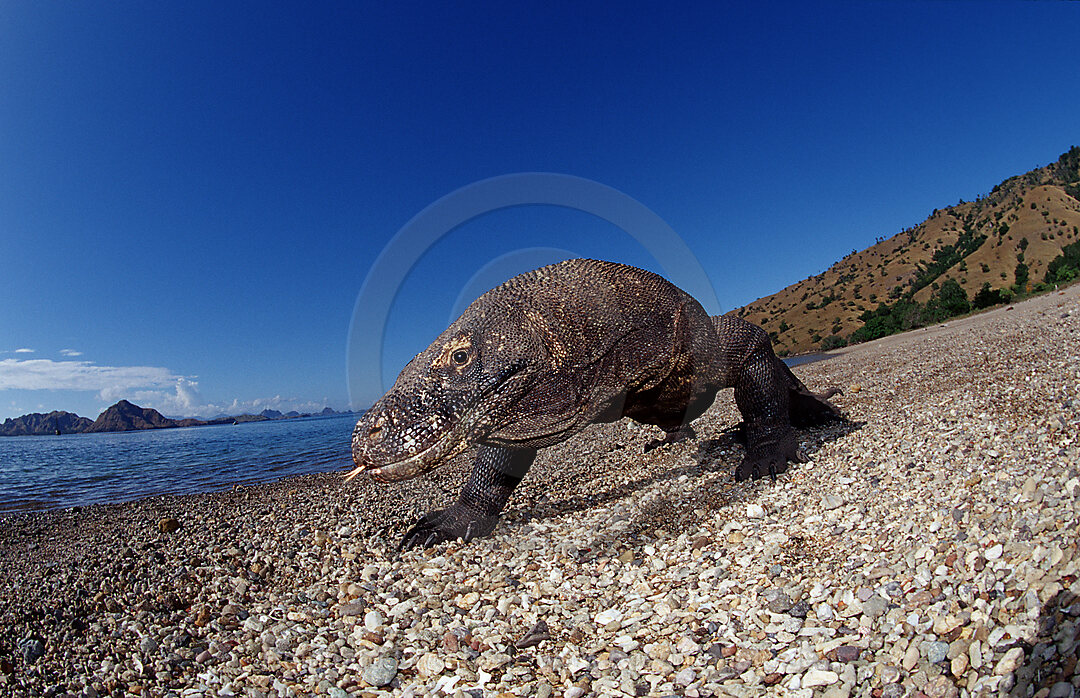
<point x="548" y="353"/>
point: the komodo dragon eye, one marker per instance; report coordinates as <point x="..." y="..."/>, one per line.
<point x="460" y="357"/>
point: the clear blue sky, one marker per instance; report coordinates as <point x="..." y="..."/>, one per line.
<point x="192" y="194"/>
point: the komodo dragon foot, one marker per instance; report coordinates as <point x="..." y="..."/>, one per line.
<point x="769" y="454"/>
<point x="448" y="524"/>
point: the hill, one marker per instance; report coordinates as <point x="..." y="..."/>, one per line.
<point x="125" y="416"/>
<point x="1005" y="240"/>
<point x="51" y="423"/>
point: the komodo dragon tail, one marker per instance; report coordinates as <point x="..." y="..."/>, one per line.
<point x="806" y="408"/>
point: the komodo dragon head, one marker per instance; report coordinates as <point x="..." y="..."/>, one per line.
<point x="459" y="390"/>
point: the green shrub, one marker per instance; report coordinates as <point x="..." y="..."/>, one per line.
<point x="987" y="297"/>
<point x="1021" y="276"/>
<point x="1065" y="267"/>
<point x="833" y="342"/>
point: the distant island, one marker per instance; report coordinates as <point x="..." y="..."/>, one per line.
<point x="125" y="416"/>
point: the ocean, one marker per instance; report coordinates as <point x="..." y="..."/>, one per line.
<point x="56" y="472"/>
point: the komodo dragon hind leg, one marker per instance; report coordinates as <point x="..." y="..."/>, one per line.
<point x="495" y="474"/>
<point x="762" y="393"/>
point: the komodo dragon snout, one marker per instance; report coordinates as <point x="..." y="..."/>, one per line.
<point x="447" y="398"/>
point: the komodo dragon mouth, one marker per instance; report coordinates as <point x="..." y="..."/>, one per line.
<point x="445" y="436"/>
<point x="428" y="459"/>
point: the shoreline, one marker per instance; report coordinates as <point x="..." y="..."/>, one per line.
<point x="924" y="548"/>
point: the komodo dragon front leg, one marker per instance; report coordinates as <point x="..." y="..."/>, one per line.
<point x="495" y="474"/>
<point x="762" y="395"/>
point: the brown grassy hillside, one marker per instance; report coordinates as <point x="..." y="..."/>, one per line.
<point x="1033" y="215"/>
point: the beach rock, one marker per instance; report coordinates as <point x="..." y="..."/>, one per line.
<point x="355" y="608"/>
<point x="1061" y="689"/>
<point x="936" y="652"/>
<point x="831" y="501"/>
<point x="875" y="606"/>
<point x="168" y="525"/>
<point x="1010" y="662"/>
<point x="777" y="600"/>
<point x="800" y="609"/>
<point x="847" y="653"/>
<point x="940" y="687"/>
<point x="889" y="674"/>
<point x="430" y="664"/>
<point x="373" y="620"/>
<point x="32" y="649"/>
<point x="380" y="672"/>
<point x="819" y="677"/>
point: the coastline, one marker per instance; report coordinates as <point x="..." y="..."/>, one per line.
<point x="926" y="547"/>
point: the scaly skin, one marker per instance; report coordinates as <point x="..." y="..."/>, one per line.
<point x="548" y="353"/>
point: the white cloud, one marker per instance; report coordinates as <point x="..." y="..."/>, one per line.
<point x="46" y="374"/>
<point x="70" y="352"/>
<point x="24" y="350"/>
<point x="146" y="386"/>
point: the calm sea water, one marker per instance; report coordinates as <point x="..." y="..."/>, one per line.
<point x="54" y="472"/>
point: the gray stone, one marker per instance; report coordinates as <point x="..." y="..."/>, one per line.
<point x="889" y="674"/>
<point x="892" y="690"/>
<point x="381" y="672"/>
<point x="831" y="501"/>
<point x="777" y="601"/>
<point x="1061" y="690"/>
<point x="936" y="652"/>
<point x="875" y="606"/>
<point x="799" y="610"/>
<point x="32" y="649"/>
<point x="351" y="609"/>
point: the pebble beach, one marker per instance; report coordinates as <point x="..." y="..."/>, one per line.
<point x="928" y="548"/>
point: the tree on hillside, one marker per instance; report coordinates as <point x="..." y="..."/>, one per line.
<point x="1021" y="275"/>
<point x="951" y="299"/>
<point x="1065" y="267"/>
<point x="987" y="297"/>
